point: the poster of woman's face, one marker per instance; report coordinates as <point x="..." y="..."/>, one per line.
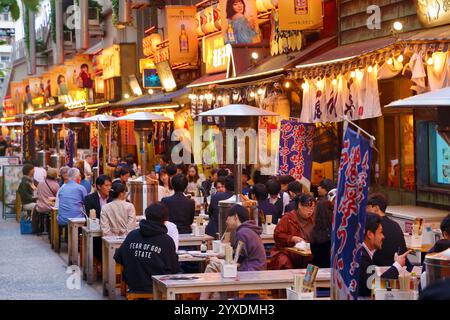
<point x="239" y="21"/>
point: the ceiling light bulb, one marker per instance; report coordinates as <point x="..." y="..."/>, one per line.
<point x="353" y="74"/>
<point x="430" y="61"/>
<point x="126" y="96"/>
<point x="305" y="86"/>
<point x="255" y="55"/>
<point x="400" y="58"/>
<point x="150" y="91"/>
<point x="287" y="85"/>
<point x="398" y="26"/>
<point x="369" y="69"/>
<point x="334" y="82"/>
<point x="252" y="94"/>
<point x="260" y="92"/>
<point x="389" y="62"/>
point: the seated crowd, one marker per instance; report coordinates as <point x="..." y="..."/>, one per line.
<point x="151" y="244"/>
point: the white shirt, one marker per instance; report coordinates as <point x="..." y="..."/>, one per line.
<point x="87" y="169"/>
<point x="102" y="201"/>
<point x="371" y="253"/>
<point x="172" y="231"/>
<point x="286" y="200"/>
<point x="40" y="174"/>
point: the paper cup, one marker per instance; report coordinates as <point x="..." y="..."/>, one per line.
<point x="217" y="246"/>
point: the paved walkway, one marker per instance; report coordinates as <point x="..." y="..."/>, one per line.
<point x="30" y="270"/>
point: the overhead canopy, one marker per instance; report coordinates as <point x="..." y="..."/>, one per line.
<point x="72" y="120"/>
<point x="100" y="117"/>
<point x="236" y="110"/>
<point x="438" y="98"/>
<point x="157" y="98"/>
<point x="142" y="116"/>
<point x="11" y="124"/>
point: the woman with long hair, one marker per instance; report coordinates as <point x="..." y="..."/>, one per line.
<point x="194" y="181"/>
<point x="321" y="234"/>
<point x="118" y="217"/>
<point x="165" y="187"/>
<point x="245" y="29"/>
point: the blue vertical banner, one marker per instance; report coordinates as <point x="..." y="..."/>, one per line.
<point x="295" y="153"/>
<point x="349" y="216"/>
<point x="70" y="148"/>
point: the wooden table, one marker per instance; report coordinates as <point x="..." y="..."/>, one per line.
<point x="74" y="224"/>
<point x="248" y="280"/>
<point x="110" y="245"/>
<point x="302" y="253"/>
<point x="88" y="254"/>
<point x="54" y="230"/>
<point x="185" y="240"/>
<point x="267" y="238"/>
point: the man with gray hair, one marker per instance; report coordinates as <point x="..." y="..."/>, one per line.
<point x="70" y="198"/>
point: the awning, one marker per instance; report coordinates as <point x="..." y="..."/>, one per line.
<point x="11" y="124"/>
<point x="157" y="98"/>
<point x="270" y="66"/>
<point x="438" y="98"/>
<point x="208" y="80"/>
<point x="94" y="49"/>
<point x="376" y="50"/>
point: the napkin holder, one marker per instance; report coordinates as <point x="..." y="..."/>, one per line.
<point x="93" y="224"/>
<point x="198" y="230"/>
<point x="395" y="294"/>
<point x="293" y="295"/>
<point x="268" y="228"/>
<point x="228" y="270"/>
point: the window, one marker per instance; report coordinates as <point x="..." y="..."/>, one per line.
<point x="439" y="158"/>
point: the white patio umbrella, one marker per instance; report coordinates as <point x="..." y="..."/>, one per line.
<point x="143" y="116"/>
<point x="438" y="98"/>
<point x="236" y="110"/>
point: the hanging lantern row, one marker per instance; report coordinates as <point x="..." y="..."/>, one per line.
<point x="388" y="55"/>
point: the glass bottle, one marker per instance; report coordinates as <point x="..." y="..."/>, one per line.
<point x="203" y="247"/>
<point x="184" y="40"/>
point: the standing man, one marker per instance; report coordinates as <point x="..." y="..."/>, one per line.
<point x="213" y="211"/>
<point x="70" y="198"/>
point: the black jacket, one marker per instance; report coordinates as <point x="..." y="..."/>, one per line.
<point x="213" y="225"/>
<point x="92" y="201"/>
<point x="147" y="252"/>
<point x="366" y="262"/>
<point x="181" y="211"/>
<point x="394" y="241"/>
<point x="321" y="254"/>
<point x="26" y="190"/>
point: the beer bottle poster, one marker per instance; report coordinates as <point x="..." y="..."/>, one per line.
<point x="300" y="14"/>
<point x="181" y="30"/>
<point x="240" y="21"/>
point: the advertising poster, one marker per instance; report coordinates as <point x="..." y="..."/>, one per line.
<point x="215" y="54"/>
<point x="17" y="95"/>
<point x="300" y="14"/>
<point x="166" y="76"/>
<point x="110" y="60"/>
<point x="58" y="81"/>
<point x="443" y="160"/>
<point x="182" y="34"/>
<point x="79" y="73"/>
<point x="239" y="21"/>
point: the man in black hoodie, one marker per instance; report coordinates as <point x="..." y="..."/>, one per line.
<point x="147" y="251"/>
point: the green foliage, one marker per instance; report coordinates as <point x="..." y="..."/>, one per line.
<point x="53" y="19"/>
<point x="115" y="11"/>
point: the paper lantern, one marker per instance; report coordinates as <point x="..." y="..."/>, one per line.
<point x="268" y="4"/>
<point x="155" y="39"/>
<point x="199" y="24"/>
<point x="203" y="21"/>
<point x="260" y="6"/>
<point x="210" y="26"/>
<point x="217" y="17"/>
